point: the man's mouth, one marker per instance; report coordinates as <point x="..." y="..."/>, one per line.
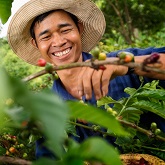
<point x="59" y="54"/>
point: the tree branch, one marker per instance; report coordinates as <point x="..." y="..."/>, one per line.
<point x="149" y="133"/>
<point x="142" y="130"/>
<point x="94" y="64"/>
<point x="17" y="161"/>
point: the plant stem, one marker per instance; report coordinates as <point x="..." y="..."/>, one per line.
<point x="94" y="64"/>
<point x="147" y="132"/>
<point x="134" y="126"/>
<point x="89" y="127"/>
<point x="151" y="148"/>
<point x="128" y="99"/>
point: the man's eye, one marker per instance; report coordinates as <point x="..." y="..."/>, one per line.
<point x="45" y="37"/>
<point x="66" y="30"/>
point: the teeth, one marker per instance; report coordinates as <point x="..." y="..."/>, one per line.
<point x="59" y="54"/>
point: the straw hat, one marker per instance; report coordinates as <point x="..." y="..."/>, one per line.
<point x="19" y="28"/>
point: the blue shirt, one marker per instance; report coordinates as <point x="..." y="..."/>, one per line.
<point x="116" y="91"/>
<point x="117" y="85"/>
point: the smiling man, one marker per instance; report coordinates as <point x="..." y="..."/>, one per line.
<point x="58" y="37"/>
<point x="65" y="31"/>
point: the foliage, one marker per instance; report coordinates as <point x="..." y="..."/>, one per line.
<point x="45" y="110"/>
<point x="129" y="17"/>
<point x="26" y="115"/>
<point x="19" y="69"/>
<point x="148" y="98"/>
<point x="5" y="10"/>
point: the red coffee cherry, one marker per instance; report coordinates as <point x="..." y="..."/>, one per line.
<point x="41" y="62"/>
<point x="102" y="67"/>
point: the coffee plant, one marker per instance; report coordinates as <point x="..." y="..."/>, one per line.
<point x="29" y="111"/>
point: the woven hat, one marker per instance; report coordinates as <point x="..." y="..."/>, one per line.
<point x="87" y="12"/>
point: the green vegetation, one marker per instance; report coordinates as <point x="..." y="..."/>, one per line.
<point x="30" y="110"/>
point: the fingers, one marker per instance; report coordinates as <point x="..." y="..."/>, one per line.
<point x="106" y="76"/>
<point x="80" y="83"/>
<point x="96" y="83"/>
<point x="93" y="80"/>
<point x="84" y="82"/>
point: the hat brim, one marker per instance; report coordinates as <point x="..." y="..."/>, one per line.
<point x="19" y="37"/>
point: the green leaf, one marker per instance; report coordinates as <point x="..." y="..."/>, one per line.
<point x="106" y="100"/>
<point x="151" y="106"/>
<point x="5" y="10"/>
<point x="152" y="85"/>
<point x="131" y="114"/>
<point x="156" y="93"/>
<point x="130" y="91"/>
<point x="53" y="113"/>
<point x="17" y="114"/>
<point x="96" y="149"/>
<point x="45" y="107"/>
<point x="96" y="116"/>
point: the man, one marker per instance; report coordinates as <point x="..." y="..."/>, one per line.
<point x="64" y="32"/>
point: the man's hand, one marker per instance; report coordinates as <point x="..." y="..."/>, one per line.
<point x="97" y="80"/>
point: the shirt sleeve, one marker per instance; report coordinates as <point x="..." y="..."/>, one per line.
<point x="138" y="51"/>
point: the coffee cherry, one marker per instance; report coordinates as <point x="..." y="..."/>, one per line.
<point x="152" y="59"/>
<point x="21" y="145"/>
<point x="12" y="150"/>
<point x="55" y="76"/>
<point x="157" y="131"/>
<point x="110" y="110"/>
<point x="114" y="113"/>
<point x="102" y="56"/>
<point x="95" y="52"/>
<point x="121" y="55"/>
<point x="153" y="126"/>
<point x="102" y="67"/>
<point x="128" y="58"/>
<point x="25" y="155"/>
<point x="41" y="62"/>
<point x="96" y="127"/>
<point x="48" y="67"/>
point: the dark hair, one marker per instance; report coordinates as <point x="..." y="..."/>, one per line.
<point x="41" y="17"/>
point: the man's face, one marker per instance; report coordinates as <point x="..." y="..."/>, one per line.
<point x="58" y="38"/>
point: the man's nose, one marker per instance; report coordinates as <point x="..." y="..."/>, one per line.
<point x="58" y="40"/>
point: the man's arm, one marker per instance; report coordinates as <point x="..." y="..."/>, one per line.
<point x="151" y="74"/>
<point x="98" y="81"/>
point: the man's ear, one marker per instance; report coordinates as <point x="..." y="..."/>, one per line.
<point x="33" y="42"/>
<point x="81" y="28"/>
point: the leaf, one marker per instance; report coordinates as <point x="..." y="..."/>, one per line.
<point x="152" y="85"/>
<point x="70" y="129"/>
<point x="130" y="91"/>
<point x="131" y="114"/>
<point x="18" y="114"/>
<point x="156" y="93"/>
<point x="106" y="100"/>
<point x="151" y="106"/>
<point x="45" y="107"/>
<point x="124" y="142"/>
<point x="96" y="149"/>
<point x="96" y="116"/>
<point x="5" y="10"/>
<point x="53" y="113"/>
